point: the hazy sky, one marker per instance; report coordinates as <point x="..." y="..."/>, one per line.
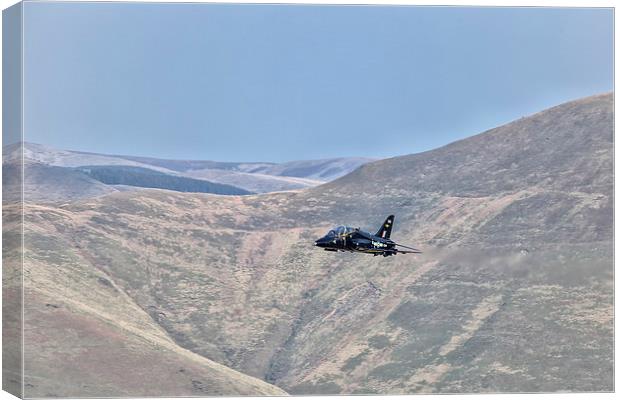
<point x="277" y="83"/>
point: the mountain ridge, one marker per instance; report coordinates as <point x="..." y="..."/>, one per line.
<point x="473" y="144"/>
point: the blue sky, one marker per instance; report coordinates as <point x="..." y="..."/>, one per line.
<point x="278" y="83"/>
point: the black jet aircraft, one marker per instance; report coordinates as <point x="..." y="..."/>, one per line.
<point x="345" y="238"/>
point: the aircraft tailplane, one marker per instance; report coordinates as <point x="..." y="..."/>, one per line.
<point x="386" y="229"/>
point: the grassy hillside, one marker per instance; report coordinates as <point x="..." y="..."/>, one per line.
<point x="86" y="337"/>
<point x="514" y="291"/>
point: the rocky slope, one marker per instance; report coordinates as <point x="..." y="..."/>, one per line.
<point x="514" y="292"/>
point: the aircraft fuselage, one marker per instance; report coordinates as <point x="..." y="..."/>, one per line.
<point x="345" y="238"/>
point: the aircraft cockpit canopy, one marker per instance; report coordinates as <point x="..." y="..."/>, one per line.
<point x="341" y="230"/>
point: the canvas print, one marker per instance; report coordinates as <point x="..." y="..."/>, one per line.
<point x="274" y="199"/>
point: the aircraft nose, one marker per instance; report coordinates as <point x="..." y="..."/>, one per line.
<point x="322" y="242"/>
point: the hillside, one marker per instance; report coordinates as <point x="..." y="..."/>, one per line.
<point x="544" y="178"/>
<point x="91" y="339"/>
<point x="559" y="148"/>
<point x="514" y="291"/>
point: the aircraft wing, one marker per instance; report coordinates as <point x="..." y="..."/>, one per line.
<point x="411" y="249"/>
<point x="408" y="251"/>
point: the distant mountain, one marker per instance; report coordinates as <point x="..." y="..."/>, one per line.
<point x="321" y="170"/>
<point x="317" y="170"/>
<point x="254" y="182"/>
<point x="66" y="158"/>
<point x="47" y="183"/>
<point x="148" y="178"/>
<point x="44" y="183"/>
<point x="257" y="177"/>
<point x="310" y="172"/>
<point x="188" y="165"/>
<point x="513" y="293"/>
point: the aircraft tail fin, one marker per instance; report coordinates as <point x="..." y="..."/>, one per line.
<point x="386" y="229"/>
